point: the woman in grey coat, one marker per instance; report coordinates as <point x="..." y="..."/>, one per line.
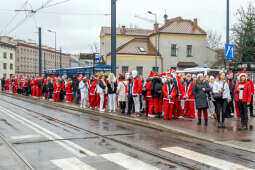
<point x="200" y="90"/>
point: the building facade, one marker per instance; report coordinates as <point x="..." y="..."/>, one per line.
<point x="179" y="44"/>
<point x="7" y="59"/>
<point x="27" y="57"/>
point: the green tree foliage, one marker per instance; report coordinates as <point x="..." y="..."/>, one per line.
<point x="244" y="33"/>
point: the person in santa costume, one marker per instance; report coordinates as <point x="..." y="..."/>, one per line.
<point x="39" y="87"/>
<point x="169" y="97"/>
<point x="149" y="105"/>
<point x="157" y="94"/>
<point x="181" y="93"/>
<point x="69" y="91"/>
<point x="189" y="98"/>
<point x="252" y="93"/>
<point x="243" y="95"/>
<point x="92" y="93"/>
<point x="136" y="91"/>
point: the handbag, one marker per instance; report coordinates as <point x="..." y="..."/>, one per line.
<point x="218" y="96"/>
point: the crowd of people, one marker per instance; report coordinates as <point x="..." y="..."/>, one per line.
<point x="169" y="95"/>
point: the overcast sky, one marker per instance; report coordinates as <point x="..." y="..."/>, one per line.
<point x="78" y="22"/>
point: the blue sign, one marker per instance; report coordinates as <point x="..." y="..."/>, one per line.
<point x="97" y="57"/>
<point x="229" y="51"/>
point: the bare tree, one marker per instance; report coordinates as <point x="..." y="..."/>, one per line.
<point x="94" y="47"/>
<point x="214" y="40"/>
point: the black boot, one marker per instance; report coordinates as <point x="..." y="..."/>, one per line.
<point x="252" y="115"/>
<point x="206" y="122"/>
<point x="199" y="122"/>
<point x="219" y="125"/>
<point x="223" y="125"/>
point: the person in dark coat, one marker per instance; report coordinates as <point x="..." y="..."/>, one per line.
<point x="200" y="90"/>
<point x="3" y="83"/>
<point x="157" y="94"/>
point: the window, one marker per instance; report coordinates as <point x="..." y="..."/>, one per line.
<point x="124" y="69"/>
<point x="173" y="49"/>
<point x="139" y="70"/>
<point x="11" y="56"/>
<point x="11" y="66"/>
<point x="155" y="69"/>
<point x="5" y="55"/>
<point x="189" y="50"/>
<point x="5" y="66"/>
<point x="141" y="49"/>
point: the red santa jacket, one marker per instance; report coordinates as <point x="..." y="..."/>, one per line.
<point x="188" y="91"/>
<point x="246" y="92"/>
<point x="137" y="86"/>
<point x="68" y="88"/>
<point x="169" y="92"/>
<point x="252" y="86"/>
<point x="93" y="87"/>
<point x="148" y="89"/>
<point x="181" y="88"/>
<point x="55" y="87"/>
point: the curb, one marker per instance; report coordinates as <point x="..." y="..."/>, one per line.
<point x="139" y="122"/>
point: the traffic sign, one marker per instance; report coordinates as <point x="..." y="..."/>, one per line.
<point x="97" y="57"/>
<point x="229" y="51"/>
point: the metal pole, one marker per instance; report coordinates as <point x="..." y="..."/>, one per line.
<point x="55" y="50"/>
<point x="113" y="36"/>
<point x="60" y="58"/>
<point x="227" y="31"/>
<point x="44" y="61"/>
<point x="40" y="51"/>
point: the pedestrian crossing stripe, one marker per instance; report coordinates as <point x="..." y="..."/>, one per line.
<point x="128" y="162"/>
<point x="25" y="137"/>
<point x="72" y="164"/>
<point x="205" y="159"/>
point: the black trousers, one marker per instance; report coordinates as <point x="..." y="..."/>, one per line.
<point x="123" y="106"/>
<point x="230" y="108"/>
<point x="130" y="104"/>
<point x="251" y="106"/>
<point x="221" y="105"/>
<point x="243" y="108"/>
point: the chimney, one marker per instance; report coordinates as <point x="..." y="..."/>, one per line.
<point x="123" y="30"/>
<point x="194" y="24"/>
<point x="156" y="28"/>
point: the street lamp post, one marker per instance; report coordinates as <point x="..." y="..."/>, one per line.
<point x="156" y="41"/>
<point x="55" y="46"/>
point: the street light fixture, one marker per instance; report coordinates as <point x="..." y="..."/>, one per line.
<point x="156" y="40"/>
<point x="55" y="46"/>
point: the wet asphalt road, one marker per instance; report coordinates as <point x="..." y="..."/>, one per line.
<point x="54" y="138"/>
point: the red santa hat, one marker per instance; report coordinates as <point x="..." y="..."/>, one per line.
<point x="170" y="76"/>
<point x="229" y="74"/>
<point x="163" y="74"/>
<point x="120" y="75"/>
<point x="171" y="70"/>
<point x="97" y="77"/>
<point x="243" y="73"/>
<point x="80" y="77"/>
<point x="151" y="75"/>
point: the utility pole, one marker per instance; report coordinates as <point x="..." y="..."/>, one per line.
<point x="44" y="61"/>
<point x="40" y="50"/>
<point x="227" y="32"/>
<point x="60" y="58"/>
<point x="113" y="36"/>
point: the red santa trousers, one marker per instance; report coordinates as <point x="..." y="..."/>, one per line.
<point x="178" y="109"/>
<point x="39" y="91"/>
<point x="189" y="107"/>
<point x="56" y="97"/>
<point x="237" y="109"/>
<point x="168" y="109"/>
<point x="92" y="101"/>
<point x="157" y="102"/>
<point x="199" y="113"/>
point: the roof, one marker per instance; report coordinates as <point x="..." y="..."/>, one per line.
<point x="182" y="26"/>
<point x="187" y="64"/>
<point x="129" y="31"/>
<point x="7" y="45"/>
<point x="132" y="47"/>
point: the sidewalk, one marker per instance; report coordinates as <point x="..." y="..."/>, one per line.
<point x="231" y="136"/>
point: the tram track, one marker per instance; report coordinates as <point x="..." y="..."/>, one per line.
<point x="106" y="137"/>
<point x="17" y="154"/>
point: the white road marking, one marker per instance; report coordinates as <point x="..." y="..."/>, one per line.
<point x="205" y="159"/>
<point x="71" y="164"/>
<point x="50" y="135"/>
<point x="25" y="137"/>
<point x="128" y="162"/>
